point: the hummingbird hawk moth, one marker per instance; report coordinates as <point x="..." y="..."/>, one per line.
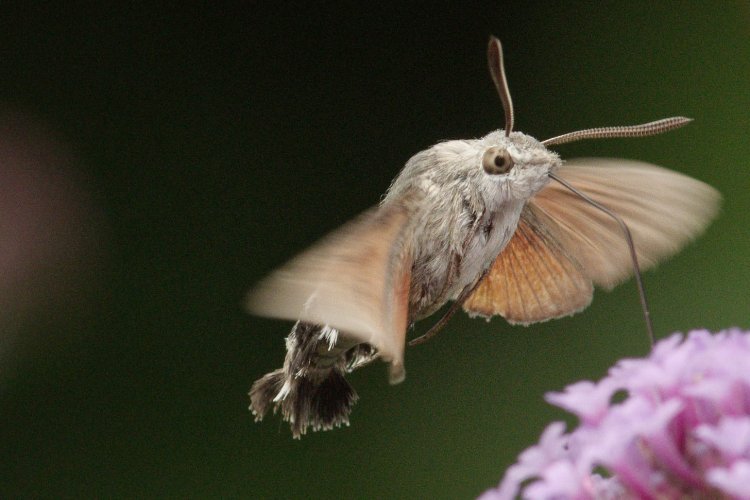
<point x="477" y="222"/>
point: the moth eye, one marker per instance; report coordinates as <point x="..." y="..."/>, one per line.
<point x="497" y="161"/>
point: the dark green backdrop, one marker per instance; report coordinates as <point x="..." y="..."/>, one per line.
<point x="216" y="142"/>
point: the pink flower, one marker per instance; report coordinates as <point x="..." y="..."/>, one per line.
<point x="682" y="431"/>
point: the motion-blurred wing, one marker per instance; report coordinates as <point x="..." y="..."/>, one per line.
<point x="663" y="209"/>
<point x="356" y="280"/>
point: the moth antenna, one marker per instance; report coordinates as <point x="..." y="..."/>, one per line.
<point x="631" y="247"/>
<point x="497" y="71"/>
<point x="642" y="130"/>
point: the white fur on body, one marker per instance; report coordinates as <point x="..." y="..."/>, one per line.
<point x="463" y="217"/>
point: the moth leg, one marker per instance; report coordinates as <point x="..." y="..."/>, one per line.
<point x="465" y="294"/>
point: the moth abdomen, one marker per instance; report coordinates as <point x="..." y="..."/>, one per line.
<point x="310" y="391"/>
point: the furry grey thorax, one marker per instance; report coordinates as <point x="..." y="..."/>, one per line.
<point x="463" y="216"/>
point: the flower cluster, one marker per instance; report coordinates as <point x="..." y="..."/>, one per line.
<point x="673" y="425"/>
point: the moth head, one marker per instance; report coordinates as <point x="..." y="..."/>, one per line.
<point x="517" y="165"/>
<point x="516" y="160"/>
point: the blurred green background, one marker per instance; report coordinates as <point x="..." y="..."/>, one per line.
<point x="215" y="142"/>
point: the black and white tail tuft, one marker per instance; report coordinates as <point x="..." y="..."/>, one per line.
<point x="310" y="390"/>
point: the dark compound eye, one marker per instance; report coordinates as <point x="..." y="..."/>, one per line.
<point x="497" y="160"/>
